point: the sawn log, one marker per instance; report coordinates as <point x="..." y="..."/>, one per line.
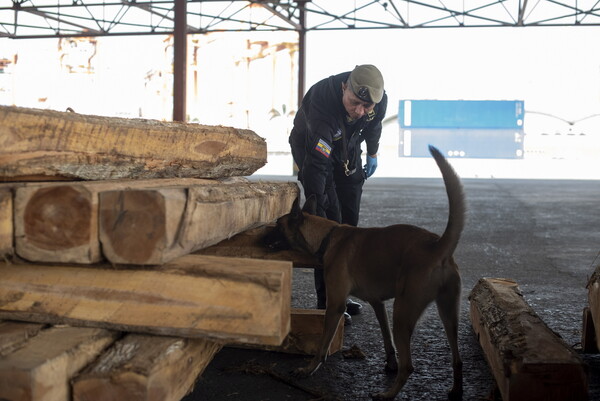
<point x="158" y="225"/>
<point x="225" y="299"/>
<point x="528" y="360"/>
<point x="42" y="368"/>
<point x="139" y="221"/>
<point x="142" y="367"/>
<point x="45" y="144"/>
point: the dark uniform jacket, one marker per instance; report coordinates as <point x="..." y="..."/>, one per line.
<point x="322" y="138"/>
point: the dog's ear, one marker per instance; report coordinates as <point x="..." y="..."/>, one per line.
<point x="310" y="206"/>
<point x="296" y="212"/>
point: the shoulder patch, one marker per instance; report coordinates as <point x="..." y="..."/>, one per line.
<point x="371" y="115"/>
<point x="323" y="147"/>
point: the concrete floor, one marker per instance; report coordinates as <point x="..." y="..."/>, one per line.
<point x="544" y="234"/>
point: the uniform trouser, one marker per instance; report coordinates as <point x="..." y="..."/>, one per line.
<point x="348" y="191"/>
<point x="344" y="194"/>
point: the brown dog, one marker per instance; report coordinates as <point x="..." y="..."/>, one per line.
<point x="408" y="263"/>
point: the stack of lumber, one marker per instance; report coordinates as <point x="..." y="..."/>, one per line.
<point x="528" y="360"/>
<point x="102" y="296"/>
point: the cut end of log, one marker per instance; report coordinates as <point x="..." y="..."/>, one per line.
<point x="57" y="218"/>
<point x="136" y="223"/>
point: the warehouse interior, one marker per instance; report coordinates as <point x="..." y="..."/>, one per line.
<point x="533" y="210"/>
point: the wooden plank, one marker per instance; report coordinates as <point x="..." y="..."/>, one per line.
<point x="6" y="223"/>
<point x="228" y="299"/>
<point x="528" y="360"/>
<point x="250" y="244"/>
<point x="593" y="287"/>
<point x="155" y="226"/>
<point x="145" y="368"/>
<point x="15" y="334"/>
<point x="305" y="334"/>
<point x="58" y="221"/>
<point x="42" y="368"/>
<point x="46" y="144"/>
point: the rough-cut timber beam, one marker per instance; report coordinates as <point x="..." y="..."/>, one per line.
<point x="225" y="299"/>
<point x="46" y="144"/>
<point x="155" y="226"/>
<point x="58" y="221"/>
<point x="14" y="334"/>
<point x="528" y="360"/>
<point x="145" y="368"/>
<point x="250" y="244"/>
<point x="41" y="369"/>
<point x="138" y="221"/>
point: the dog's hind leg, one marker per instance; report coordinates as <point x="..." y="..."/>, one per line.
<point x="448" y="304"/>
<point x="391" y="363"/>
<point x="408" y="307"/>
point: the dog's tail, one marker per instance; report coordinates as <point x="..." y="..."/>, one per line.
<point x="457" y="206"/>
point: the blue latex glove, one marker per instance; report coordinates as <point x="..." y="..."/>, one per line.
<point x="371" y="166"/>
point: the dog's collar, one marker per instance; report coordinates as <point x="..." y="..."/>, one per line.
<point x="323" y="247"/>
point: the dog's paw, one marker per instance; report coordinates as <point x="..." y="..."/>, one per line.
<point x="383" y="396"/>
<point x="455" y="395"/>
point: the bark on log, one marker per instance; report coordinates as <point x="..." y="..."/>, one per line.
<point x="14" y="334"/>
<point x="305" y="334"/>
<point x="58" y="221"/>
<point x="228" y="299"/>
<point x="250" y="244"/>
<point x="46" y="144"/>
<point x="145" y="368"/>
<point x="528" y="360"/>
<point x="152" y="227"/>
<point x="42" y="368"/>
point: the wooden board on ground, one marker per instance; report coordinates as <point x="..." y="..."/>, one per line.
<point x="305" y="334"/>
<point x="228" y="299"/>
<point x="41" y="369"/>
<point x="6" y="222"/>
<point x="528" y="360"/>
<point x="155" y="226"/>
<point x="46" y="144"/>
<point x="145" y="368"/>
<point x="250" y="244"/>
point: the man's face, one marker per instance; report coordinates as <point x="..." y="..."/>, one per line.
<point x="355" y="107"/>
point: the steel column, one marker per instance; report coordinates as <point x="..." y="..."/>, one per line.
<point x="180" y="61"/>
<point x="301" y="51"/>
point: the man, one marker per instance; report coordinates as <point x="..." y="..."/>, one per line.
<point x="337" y="114"/>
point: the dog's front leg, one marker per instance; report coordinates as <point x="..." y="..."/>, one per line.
<point x="391" y="362"/>
<point x="333" y="314"/>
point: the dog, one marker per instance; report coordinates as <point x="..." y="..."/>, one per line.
<point x="408" y="263"/>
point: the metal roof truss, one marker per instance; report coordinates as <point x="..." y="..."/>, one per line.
<point x="64" y="18"/>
